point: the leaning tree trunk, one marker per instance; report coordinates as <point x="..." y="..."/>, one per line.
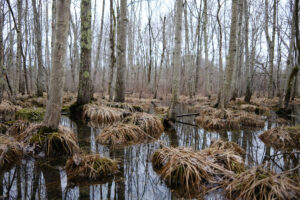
<point x="54" y="104"/>
<point x="230" y="60"/>
<point x="176" y="61"/>
<point x="295" y="70"/>
<point x="85" y="89"/>
<point x="121" y="62"/>
<point x="38" y="39"/>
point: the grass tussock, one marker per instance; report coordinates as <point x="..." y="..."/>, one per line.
<point x="61" y="142"/>
<point x="10" y="152"/>
<point x="90" y="167"/>
<point x="259" y="110"/>
<point x="102" y="115"/>
<point x="161" y="110"/>
<point x="126" y="106"/>
<point x="227" y="145"/>
<point x="7" y="110"/>
<point x="258" y="183"/>
<point x="32" y="114"/>
<point x="16" y="127"/>
<point x="121" y="134"/>
<point x="220" y="119"/>
<point x="287" y="137"/>
<point x="195" y="171"/>
<point x="150" y="124"/>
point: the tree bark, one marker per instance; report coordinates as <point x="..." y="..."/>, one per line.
<point x="85" y="89"/>
<point x="54" y="104"/>
<point x="112" y="50"/>
<point x="38" y="40"/>
<point x="230" y="60"/>
<point x="176" y="61"/>
<point x="121" y="48"/>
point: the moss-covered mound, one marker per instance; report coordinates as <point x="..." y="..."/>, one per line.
<point x="90" y="167"/>
<point x="258" y="183"/>
<point x="285" y="138"/>
<point x="10" y="152"/>
<point x="32" y="114"/>
<point x="61" y="142"/>
<point x="196" y="171"/>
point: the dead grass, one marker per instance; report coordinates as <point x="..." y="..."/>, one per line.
<point x="101" y="114"/>
<point x="150" y="124"/>
<point x="195" y="171"/>
<point x="218" y="119"/>
<point x="10" y="152"/>
<point x="7" y="110"/>
<point x="126" y="106"/>
<point x="287" y="137"/>
<point x="90" y="167"/>
<point x="161" y="110"/>
<point x="121" y="134"/>
<point x="259" y="110"/>
<point x="258" y="183"/>
<point x="62" y="142"/>
<point x="16" y="127"/>
<point x="226" y="145"/>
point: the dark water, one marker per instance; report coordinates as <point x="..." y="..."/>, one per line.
<point x="35" y="179"/>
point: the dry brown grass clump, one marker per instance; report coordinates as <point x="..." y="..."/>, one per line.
<point x="126" y="106"/>
<point x="226" y="145"/>
<point x="220" y="119"/>
<point x="16" y="127"/>
<point x="121" y="134"/>
<point x="195" y="171"/>
<point x="7" y="110"/>
<point x="137" y="128"/>
<point x="150" y="124"/>
<point x="62" y="142"/>
<point x="162" y="110"/>
<point x="10" y="152"/>
<point x="258" y="183"/>
<point x="287" y="137"/>
<point x="101" y="114"/>
<point x="90" y="167"/>
<point x="260" y="110"/>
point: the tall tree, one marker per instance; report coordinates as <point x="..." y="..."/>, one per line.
<point x="294" y="72"/>
<point x="2" y="82"/>
<point x="176" y="60"/>
<point x="230" y="59"/>
<point x="54" y="104"/>
<point x="85" y="89"/>
<point x="38" y="41"/>
<point x="121" y="48"/>
<point x="271" y="43"/>
<point x="112" y="30"/>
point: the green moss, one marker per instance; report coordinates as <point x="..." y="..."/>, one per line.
<point x="65" y="109"/>
<point x="295" y="128"/>
<point x="31" y="114"/>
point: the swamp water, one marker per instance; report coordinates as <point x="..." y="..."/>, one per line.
<point x="36" y="179"/>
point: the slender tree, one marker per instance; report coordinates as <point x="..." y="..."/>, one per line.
<point x="121" y="48"/>
<point x="85" y="89"/>
<point x="176" y="61"/>
<point x="54" y="103"/>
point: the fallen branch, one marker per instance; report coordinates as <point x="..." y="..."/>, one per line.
<point x="189" y="114"/>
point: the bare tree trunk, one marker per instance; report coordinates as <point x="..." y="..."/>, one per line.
<point x="54" y="104"/>
<point x="2" y="81"/>
<point x="207" y="74"/>
<point x="230" y="60"/>
<point x="121" y="48"/>
<point x="38" y="40"/>
<point x="85" y="88"/>
<point x="293" y="74"/>
<point x="176" y="61"/>
<point x="112" y="50"/>
<point x="248" y="72"/>
<point x="271" y="44"/>
<point x="18" y="74"/>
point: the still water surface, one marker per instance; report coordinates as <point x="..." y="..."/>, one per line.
<point x="35" y="179"/>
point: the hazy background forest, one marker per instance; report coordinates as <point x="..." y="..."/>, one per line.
<point x="263" y="58"/>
